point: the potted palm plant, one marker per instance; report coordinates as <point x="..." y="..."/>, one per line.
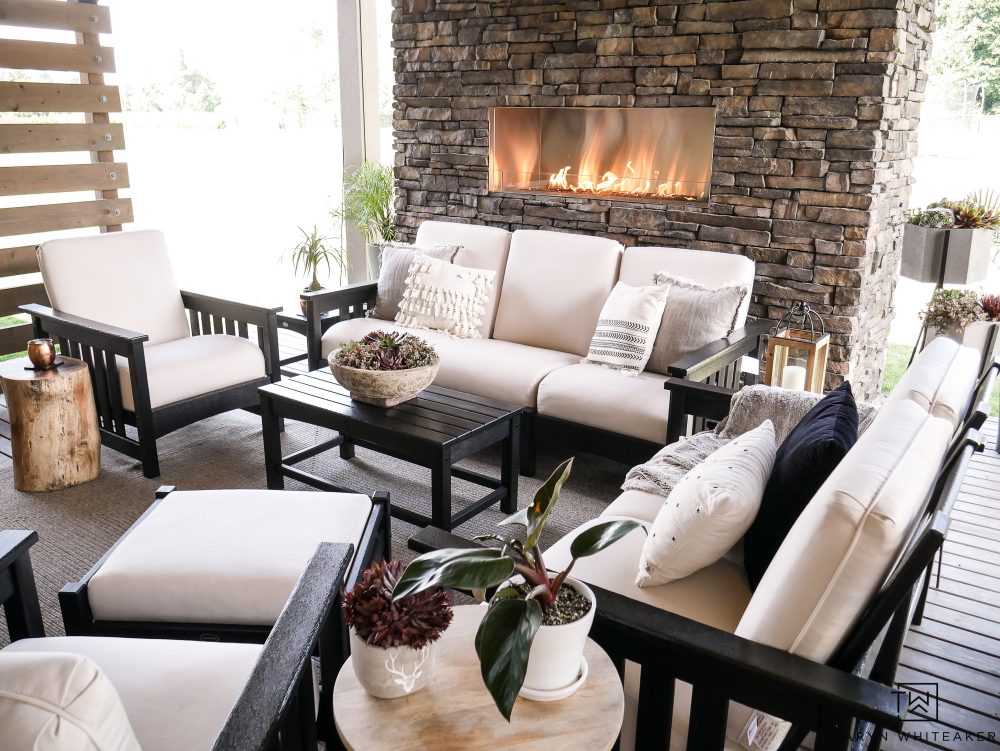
<point x="315" y="250"/>
<point x="368" y="206"/>
<point x="532" y="637"/>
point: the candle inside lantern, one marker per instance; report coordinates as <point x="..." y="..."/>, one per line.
<point x="793" y="377"/>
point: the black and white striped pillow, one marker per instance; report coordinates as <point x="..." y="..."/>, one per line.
<point x="627" y="326"/>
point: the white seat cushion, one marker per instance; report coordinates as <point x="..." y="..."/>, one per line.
<point x="706" y="267"/>
<point x="177" y="694"/>
<point x="122" y="279"/>
<point x="592" y="395"/>
<point x="354" y="329"/>
<point x="59" y="702"/>
<point x="941" y="379"/>
<point x="614" y="569"/>
<point x="222" y="556"/>
<point x="193" y="366"/>
<point x="554" y="288"/>
<point x="636" y="504"/>
<point x="497" y="369"/>
<point x="482" y="248"/>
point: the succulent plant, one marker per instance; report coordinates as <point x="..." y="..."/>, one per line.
<point x="991" y="304"/>
<point x="412" y="621"/>
<point x="980" y="210"/>
<point x="953" y="308"/>
<point x="386" y="350"/>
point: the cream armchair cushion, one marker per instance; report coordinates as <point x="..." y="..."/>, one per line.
<point x="121" y="279"/>
<point x="58" y="701"/>
<point x="193" y="366"/>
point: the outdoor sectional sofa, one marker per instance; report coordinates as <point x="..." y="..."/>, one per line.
<point x="550" y="288"/>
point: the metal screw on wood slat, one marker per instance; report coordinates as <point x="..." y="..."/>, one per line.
<point x="117" y="212"/>
<point x="98" y="59"/>
<point x="94" y="19"/>
<point x="107" y="136"/>
<point x="113" y="175"/>
<point x="103" y="98"/>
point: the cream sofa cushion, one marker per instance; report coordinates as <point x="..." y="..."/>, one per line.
<point x="554" y="287"/>
<point x="60" y="702"/>
<point x="222" y="556"/>
<point x="177" y="694"/>
<point x="354" y="329"/>
<point x="497" y="369"/>
<point x="122" y="279"/>
<point x="706" y="267"/>
<point x="592" y="395"/>
<point x="635" y="504"/>
<point x="196" y="365"/>
<point x="482" y="248"/>
<point x="941" y="379"/>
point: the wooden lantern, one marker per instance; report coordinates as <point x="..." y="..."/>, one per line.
<point x="797" y="351"/>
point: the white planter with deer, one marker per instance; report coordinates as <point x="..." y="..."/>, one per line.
<point x="391" y="672"/>
<point x="555" y="662"/>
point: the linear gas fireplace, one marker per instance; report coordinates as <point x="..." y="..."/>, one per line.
<point x="625" y="154"/>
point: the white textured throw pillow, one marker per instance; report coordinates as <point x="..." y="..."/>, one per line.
<point x="53" y="701"/>
<point x="395" y="267"/>
<point x="627" y="327"/>
<point x="709" y="510"/>
<point x="693" y="317"/>
<point x="445" y="297"/>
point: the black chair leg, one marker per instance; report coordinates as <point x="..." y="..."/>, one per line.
<point x="528" y="449"/>
<point x="148" y="456"/>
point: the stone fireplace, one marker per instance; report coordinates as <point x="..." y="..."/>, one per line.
<point x="816" y="104"/>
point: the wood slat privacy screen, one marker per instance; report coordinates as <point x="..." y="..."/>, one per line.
<point x="44" y="118"/>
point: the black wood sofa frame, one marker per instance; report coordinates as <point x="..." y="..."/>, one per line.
<point x="276" y="710"/>
<point x="718" y="364"/>
<point x="98" y="345"/>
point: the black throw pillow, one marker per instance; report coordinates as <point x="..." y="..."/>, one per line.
<point x="803" y="462"/>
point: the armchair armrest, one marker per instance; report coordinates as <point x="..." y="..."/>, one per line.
<point x="698" y="399"/>
<point x="66" y="326"/>
<point x="351" y="301"/>
<point x="232" y="309"/>
<point x="279" y="691"/>
<point x="17" y="584"/>
<point x="715" y="356"/>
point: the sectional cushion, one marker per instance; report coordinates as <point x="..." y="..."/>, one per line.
<point x="60" y="702"/>
<point x="941" y="379"/>
<point x="803" y="462"/>
<point x="177" y="694"/>
<point x="640" y="505"/>
<point x="122" y="279"/>
<point x="554" y="287"/>
<point x="193" y="366"/>
<point x="395" y="267"/>
<point x="188" y="562"/>
<point x="497" y="369"/>
<point x="354" y="329"/>
<point x="482" y="248"/>
<point x="592" y="395"/>
<point x="705" y="267"/>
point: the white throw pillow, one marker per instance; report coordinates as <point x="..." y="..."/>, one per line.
<point x="693" y="317"/>
<point x="445" y="297"/>
<point x="56" y="701"/>
<point x="393" y="270"/>
<point x="627" y="327"/>
<point x="709" y="510"/>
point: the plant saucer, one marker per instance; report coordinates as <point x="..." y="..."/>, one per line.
<point x="558" y="693"/>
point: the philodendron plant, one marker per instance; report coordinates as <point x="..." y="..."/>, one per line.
<point x="516" y="610"/>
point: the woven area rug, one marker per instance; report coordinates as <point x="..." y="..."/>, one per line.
<point x="77" y="525"/>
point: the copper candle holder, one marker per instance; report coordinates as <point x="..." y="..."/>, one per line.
<point x="42" y="353"/>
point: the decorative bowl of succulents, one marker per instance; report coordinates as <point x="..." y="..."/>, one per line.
<point x="394" y="642"/>
<point x="385" y="368"/>
<point x="531" y="639"/>
<point x="968" y="226"/>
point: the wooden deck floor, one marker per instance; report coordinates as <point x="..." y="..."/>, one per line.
<point x="956" y="650"/>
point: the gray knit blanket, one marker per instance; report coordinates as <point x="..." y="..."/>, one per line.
<point x="749" y="408"/>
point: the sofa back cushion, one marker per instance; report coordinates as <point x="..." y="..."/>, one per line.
<point x="554" y="287"/>
<point x="707" y="268"/>
<point x="54" y="701"/>
<point x="941" y="379"/>
<point x="840" y="549"/>
<point x="481" y="248"/>
<point x="122" y="279"/>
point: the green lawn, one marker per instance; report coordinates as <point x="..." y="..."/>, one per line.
<point x="896" y="358"/>
<point x="6" y="321"/>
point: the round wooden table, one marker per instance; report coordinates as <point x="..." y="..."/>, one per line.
<point x="53" y="424"/>
<point x="455" y="712"/>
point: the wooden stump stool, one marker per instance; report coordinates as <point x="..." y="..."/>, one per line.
<point x="53" y="424"/>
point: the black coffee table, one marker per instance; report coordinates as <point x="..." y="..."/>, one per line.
<point x="436" y="429"/>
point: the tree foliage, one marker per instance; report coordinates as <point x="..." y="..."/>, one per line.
<point x="967" y="45"/>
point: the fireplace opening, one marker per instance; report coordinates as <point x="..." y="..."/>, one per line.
<point x="624" y="154"/>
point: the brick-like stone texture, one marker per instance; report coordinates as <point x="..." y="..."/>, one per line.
<point x="817" y="109"/>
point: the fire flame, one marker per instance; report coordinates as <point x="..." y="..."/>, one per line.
<point x="629" y="184"/>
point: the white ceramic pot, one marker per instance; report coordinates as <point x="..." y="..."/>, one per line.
<point x="557" y="651"/>
<point x="388" y="673"/>
<point x="384" y="388"/>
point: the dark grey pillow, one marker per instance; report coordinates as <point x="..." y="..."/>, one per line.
<point x="396" y="259"/>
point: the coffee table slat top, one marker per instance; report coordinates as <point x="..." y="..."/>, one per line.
<point x="436" y="415"/>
